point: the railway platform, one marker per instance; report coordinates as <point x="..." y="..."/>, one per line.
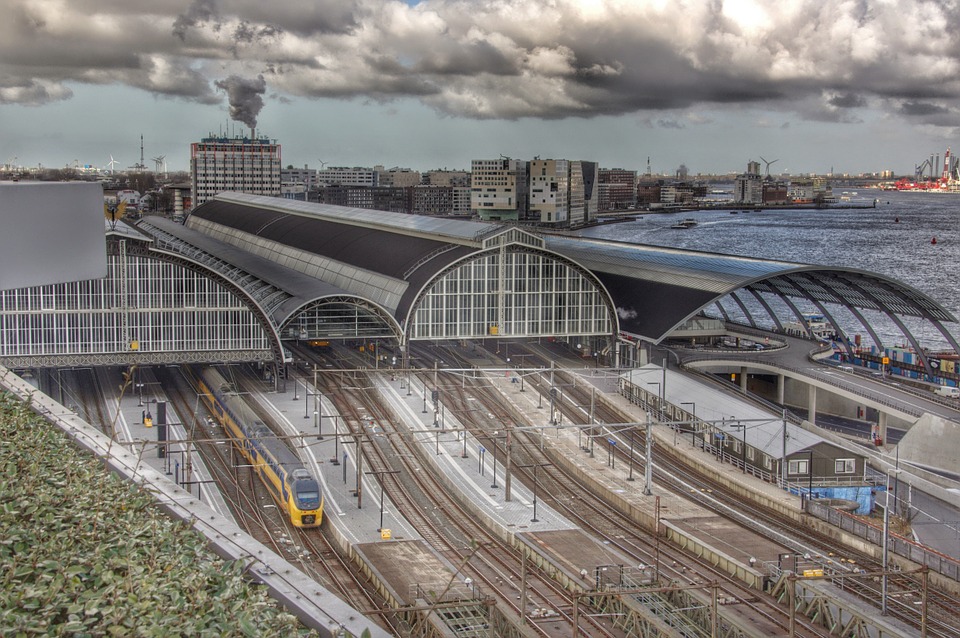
<point x="744" y="552"/>
<point x="163" y="445"/>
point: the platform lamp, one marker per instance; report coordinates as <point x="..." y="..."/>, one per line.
<point x="380" y="474"/>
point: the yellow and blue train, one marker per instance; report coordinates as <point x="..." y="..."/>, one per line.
<point x="281" y="470"/>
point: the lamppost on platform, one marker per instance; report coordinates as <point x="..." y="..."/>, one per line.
<point x="535" y="467"/>
<point x="380" y="474"/>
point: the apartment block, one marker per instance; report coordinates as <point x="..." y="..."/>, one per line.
<point x="616" y="189"/>
<point x="397" y="177"/>
<point x="498" y="189"/>
<point x="344" y="176"/>
<point x="239" y="164"/>
<point x="550" y="191"/>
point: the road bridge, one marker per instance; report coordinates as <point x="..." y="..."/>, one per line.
<point x="795" y="373"/>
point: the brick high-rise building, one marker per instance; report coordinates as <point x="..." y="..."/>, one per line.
<point x="617" y="189"/>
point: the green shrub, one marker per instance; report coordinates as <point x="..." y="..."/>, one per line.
<point x="84" y="553"/>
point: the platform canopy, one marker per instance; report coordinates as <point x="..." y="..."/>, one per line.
<point x="657" y="289"/>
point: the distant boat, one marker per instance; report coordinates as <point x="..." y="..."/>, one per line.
<point x="686" y="223"/>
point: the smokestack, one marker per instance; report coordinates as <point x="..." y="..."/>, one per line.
<point x="253" y="133"/>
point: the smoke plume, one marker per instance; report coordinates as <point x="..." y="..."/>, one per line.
<point x="245" y="97"/>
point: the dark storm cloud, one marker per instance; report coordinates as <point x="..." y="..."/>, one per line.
<point x="921" y="108"/>
<point x="847" y="101"/>
<point x="32" y="93"/>
<point x="245" y="32"/>
<point x="824" y="60"/>
<point x="245" y="96"/>
<point x="199" y="11"/>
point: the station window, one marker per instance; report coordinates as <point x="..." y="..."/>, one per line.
<point x="845" y="466"/>
<point x="799" y="467"/>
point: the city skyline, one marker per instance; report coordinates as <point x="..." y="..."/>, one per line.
<point x="811" y="86"/>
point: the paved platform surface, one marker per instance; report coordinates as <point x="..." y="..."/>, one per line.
<point x="739" y="543"/>
<point x="405" y="562"/>
<point x="585" y="559"/>
<point x="413" y="571"/>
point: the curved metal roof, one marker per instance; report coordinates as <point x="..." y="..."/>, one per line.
<point x="387" y="257"/>
<point x="279" y="290"/>
<point x="679" y="283"/>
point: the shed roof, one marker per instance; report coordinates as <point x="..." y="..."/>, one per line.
<point x="725" y="410"/>
<point x="679" y="283"/>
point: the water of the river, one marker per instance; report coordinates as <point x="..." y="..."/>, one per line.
<point x="894" y="239"/>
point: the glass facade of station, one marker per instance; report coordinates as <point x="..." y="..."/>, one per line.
<point x="145" y="307"/>
<point x="513" y="293"/>
<point x="340" y="318"/>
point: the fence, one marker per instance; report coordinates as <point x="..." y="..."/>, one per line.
<point x="896" y="544"/>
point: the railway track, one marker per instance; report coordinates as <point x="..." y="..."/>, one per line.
<point x="670" y="465"/>
<point x="257" y="512"/>
<point x="595" y="516"/>
<point x="439" y="517"/>
<point x="443" y="525"/>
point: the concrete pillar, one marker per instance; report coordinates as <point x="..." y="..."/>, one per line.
<point x="812" y="403"/>
<point x="743" y="379"/>
<point x="781" y="388"/>
<point x="882" y="425"/>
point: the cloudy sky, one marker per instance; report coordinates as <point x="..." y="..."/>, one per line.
<point x="851" y="85"/>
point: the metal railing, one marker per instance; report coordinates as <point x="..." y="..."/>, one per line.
<point x="899" y="545"/>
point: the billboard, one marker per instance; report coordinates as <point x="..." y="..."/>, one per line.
<point x="51" y="233"/>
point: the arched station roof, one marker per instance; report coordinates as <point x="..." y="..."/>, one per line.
<point x="387" y="258"/>
<point x="657" y="289"/>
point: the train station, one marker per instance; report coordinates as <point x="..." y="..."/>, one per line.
<point x="265" y="281"/>
<point x="245" y="273"/>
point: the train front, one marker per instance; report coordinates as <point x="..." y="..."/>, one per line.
<point x="306" y="509"/>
